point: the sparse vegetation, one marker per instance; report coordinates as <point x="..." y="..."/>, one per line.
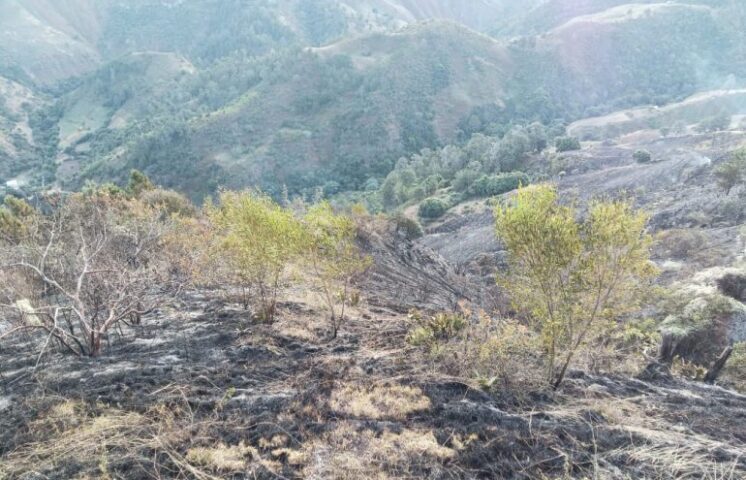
<point x="334" y="258"/>
<point x="78" y="271"/>
<point x="263" y="333"/>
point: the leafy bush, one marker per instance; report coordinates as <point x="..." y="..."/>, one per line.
<point x="566" y="144"/>
<point x="138" y="183"/>
<point x="695" y="325"/>
<point x="432" y="208"/>
<point x="571" y="278"/>
<point x="492" y="185"/>
<point x="642" y="156"/>
<point x="732" y="172"/>
<point x="464" y="180"/>
<point x="328" y="244"/>
<point x="257" y="239"/>
<point x="735" y="369"/>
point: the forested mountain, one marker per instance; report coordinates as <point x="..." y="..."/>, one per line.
<point x="327" y="93"/>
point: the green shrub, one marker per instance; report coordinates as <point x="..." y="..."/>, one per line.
<point x="735" y="369"/>
<point x="432" y="208"/>
<point x="642" y="156"/>
<point x="566" y="144"/>
<point x="732" y="172"/>
<point x="492" y="185"/>
<point x="410" y="227"/>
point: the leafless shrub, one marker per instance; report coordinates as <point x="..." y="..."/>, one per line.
<point x="78" y="271"/>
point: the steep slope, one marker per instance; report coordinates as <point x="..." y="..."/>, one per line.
<point x="674" y="116"/>
<point x="198" y="391"/>
<point x="340" y="115"/>
<point x="481" y="15"/>
<point x="239" y="101"/>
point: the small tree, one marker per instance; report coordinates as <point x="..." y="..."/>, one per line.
<point x="257" y="239"/>
<point x="334" y="257"/>
<point x="732" y="172"/>
<point x="573" y="279"/>
<point x="14" y="216"/>
<point x="492" y="185"/>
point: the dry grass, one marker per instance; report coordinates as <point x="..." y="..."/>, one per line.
<point x="662" y="449"/>
<point x="85" y="440"/>
<point x="70" y="432"/>
<point x="393" y="402"/>
<point x="685" y="461"/>
<point x="347" y="453"/>
<point x="222" y="458"/>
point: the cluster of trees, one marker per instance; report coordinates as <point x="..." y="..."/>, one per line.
<point x="256" y="240"/>
<point x="77" y="266"/>
<point x="484" y="166"/>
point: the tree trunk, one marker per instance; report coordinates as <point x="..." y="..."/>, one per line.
<point x="95" y="347"/>
<point x="714" y="371"/>
<point x="667" y="349"/>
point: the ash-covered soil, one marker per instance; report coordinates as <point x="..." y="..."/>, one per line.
<point x="199" y="391"/>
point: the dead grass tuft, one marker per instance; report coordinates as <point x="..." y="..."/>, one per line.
<point x="390" y="402"/>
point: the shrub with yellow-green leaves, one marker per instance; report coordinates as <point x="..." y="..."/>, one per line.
<point x="258" y="240"/>
<point x="574" y="280"/>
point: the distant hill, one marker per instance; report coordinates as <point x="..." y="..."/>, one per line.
<point x="344" y="112"/>
<point x="43" y="42"/>
<point x="331" y="93"/>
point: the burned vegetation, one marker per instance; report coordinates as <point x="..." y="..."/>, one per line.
<point x="143" y="338"/>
